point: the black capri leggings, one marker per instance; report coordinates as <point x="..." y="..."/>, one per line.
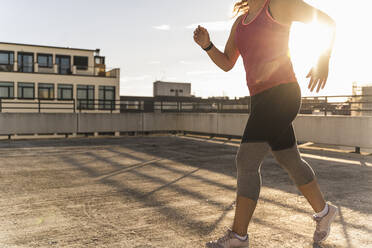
<point x="272" y="113"/>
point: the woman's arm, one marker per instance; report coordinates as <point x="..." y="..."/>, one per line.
<point x="225" y="60"/>
<point x="302" y="12"/>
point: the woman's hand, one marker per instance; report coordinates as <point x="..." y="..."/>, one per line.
<point x="319" y="74"/>
<point x="201" y="37"/>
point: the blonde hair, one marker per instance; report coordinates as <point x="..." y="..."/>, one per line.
<point x="241" y="7"/>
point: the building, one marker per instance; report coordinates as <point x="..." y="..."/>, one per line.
<point x="362" y="100"/>
<point x="37" y="78"/>
<point x="172" y="89"/>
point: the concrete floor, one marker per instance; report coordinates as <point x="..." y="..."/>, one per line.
<point x="166" y="191"/>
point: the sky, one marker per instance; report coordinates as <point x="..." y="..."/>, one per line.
<point x="153" y="40"/>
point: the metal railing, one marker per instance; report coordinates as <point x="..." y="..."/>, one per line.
<point x="93" y="71"/>
<point x="323" y="105"/>
<point x="40" y="105"/>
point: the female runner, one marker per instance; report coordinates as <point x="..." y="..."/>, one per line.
<point x="260" y="35"/>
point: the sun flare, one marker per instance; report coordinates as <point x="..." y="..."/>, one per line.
<point x="308" y="42"/>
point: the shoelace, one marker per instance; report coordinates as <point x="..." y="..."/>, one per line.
<point x="225" y="238"/>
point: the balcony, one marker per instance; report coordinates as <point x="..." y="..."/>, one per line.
<point x="90" y="71"/>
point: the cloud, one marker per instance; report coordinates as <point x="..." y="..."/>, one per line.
<point x="134" y="78"/>
<point x="213" y="26"/>
<point x="163" y="27"/>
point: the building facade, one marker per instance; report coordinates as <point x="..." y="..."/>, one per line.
<point x="172" y="89"/>
<point x="363" y="102"/>
<point x="56" y="79"/>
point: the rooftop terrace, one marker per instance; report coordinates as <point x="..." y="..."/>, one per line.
<point x="167" y="191"/>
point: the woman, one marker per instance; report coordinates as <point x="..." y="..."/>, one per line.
<point x="260" y="35"/>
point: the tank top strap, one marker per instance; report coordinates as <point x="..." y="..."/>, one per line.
<point x="267" y="2"/>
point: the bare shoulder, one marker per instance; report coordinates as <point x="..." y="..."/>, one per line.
<point x="236" y="22"/>
<point x="285" y="3"/>
<point x="282" y="10"/>
<point x="238" y="19"/>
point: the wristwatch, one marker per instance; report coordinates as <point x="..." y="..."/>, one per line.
<point x="209" y="47"/>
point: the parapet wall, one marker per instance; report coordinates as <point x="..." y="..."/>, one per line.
<point x="336" y="130"/>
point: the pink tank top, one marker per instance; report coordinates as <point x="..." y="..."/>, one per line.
<point x="263" y="45"/>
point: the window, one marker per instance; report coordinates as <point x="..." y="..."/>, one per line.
<point x="6" y="61"/>
<point x="46" y="91"/>
<point x="6" y="90"/>
<point x="26" y="90"/>
<point x="85" y="96"/>
<point x="45" y="60"/>
<point x="81" y="63"/>
<point x="64" y="64"/>
<point x="26" y="62"/>
<point x="106" y="97"/>
<point x="99" y="60"/>
<point x="65" y="92"/>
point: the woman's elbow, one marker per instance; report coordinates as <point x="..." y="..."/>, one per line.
<point x="227" y="68"/>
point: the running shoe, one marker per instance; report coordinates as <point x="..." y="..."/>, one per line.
<point x="229" y="240"/>
<point x="323" y="224"/>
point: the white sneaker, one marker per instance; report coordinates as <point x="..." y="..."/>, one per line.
<point x="229" y="240"/>
<point x="323" y="224"/>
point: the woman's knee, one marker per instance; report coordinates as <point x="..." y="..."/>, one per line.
<point x="248" y="162"/>
<point x="250" y="156"/>
<point x="299" y="170"/>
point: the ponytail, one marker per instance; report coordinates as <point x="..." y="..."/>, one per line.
<point x="241" y="7"/>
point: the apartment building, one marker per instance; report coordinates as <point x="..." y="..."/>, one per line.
<point x="37" y="78"/>
<point x="363" y="100"/>
<point x="172" y="89"/>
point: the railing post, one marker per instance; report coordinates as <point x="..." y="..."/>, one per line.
<point x="1" y="105"/>
<point x="39" y="104"/>
<point x="112" y="105"/>
<point x="357" y="150"/>
<point x="74" y="105"/>
<point x="325" y="106"/>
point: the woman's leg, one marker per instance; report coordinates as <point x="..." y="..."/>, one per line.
<point x="302" y="174"/>
<point x="285" y="151"/>
<point x="248" y="162"/>
<point x="271" y="111"/>
<point x="313" y="195"/>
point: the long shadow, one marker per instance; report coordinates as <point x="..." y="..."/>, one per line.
<point x="329" y="173"/>
<point x="149" y="200"/>
<point x="211" y="182"/>
<point x="338" y="177"/>
<point x="344" y="227"/>
<point x="159" y="180"/>
<point x="227" y="187"/>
